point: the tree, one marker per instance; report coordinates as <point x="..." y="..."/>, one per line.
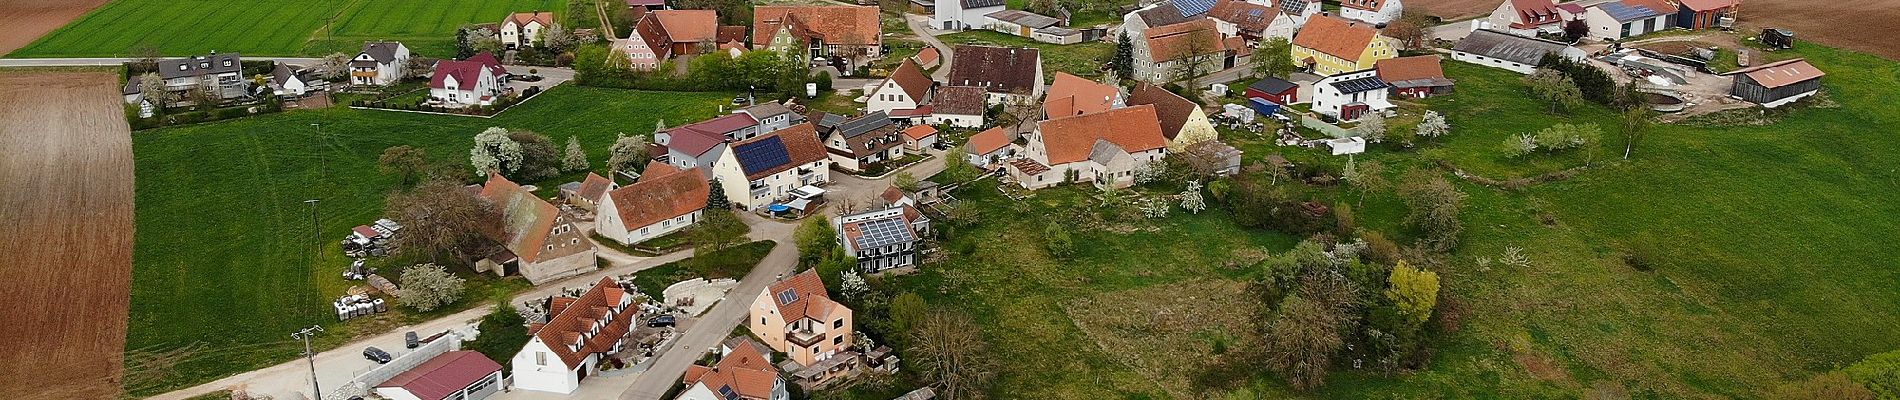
<point x="1635" y="125"/>
<point x="482" y="40"/>
<point x="720" y="229"/>
<point x="576" y="157"/>
<point x="439" y="216"/>
<point x="1124" y="61"/>
<point x="1371" y="127"/>
<point x="1309" y="328"/>
<point x="152" y="87"/>
<point x="758" y="69"/>
<point x="427" y="286"/>
<point x="556" y="37"/>
<point x="1434" y="126"/>
<point x="494" y="152"/>
<point x="1057" y="241"/>
<point x="907" y="309"/>
<point x="1414" y="291"/>
<point x="851" y="285"/>
<point x="1274" y="58"/>
<point x="905" y="181"/>
<point x="816" y="240"/>
<point x="1044" y="7"/>
<point x="627" y="154"/>
<point x="957" y="168"/>
<point x="201" y="98"/>
<point x="1195" y="60"/>
<point x="1433" y="205"/>
<point x="1879" y="372"/>
<point x="539" y="158"/>
<point x="716" y="199"/>
<point x="504" y="331"/>
<point x="1191" y="199"/>
<point x="952" y="355"/>
<point x="1412" y="29"/>
<point x="404" y="161"/>
<point x="1520" y="145"/>
<point x="1366" y="177"/>
<point x="1555" y="88"/>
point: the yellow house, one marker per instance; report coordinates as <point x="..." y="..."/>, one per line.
<point x="1330" y="45"/>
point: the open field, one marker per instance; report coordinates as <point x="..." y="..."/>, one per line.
<point x="1824" y="21"/>
<point x="226" y="263"/>
<point x="1761" y="266"/>
<point x="32" y="18"/>
<point x="271" y="27"/>
<point x="68" y="202"/>
<point x="1455" y="9"/>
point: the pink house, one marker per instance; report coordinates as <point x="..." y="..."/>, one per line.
<point x="797" y="317"/>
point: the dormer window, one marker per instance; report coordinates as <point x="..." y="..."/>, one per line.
<point x="227" y="63"/>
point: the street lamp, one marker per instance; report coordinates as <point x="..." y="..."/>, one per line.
<point x="305" y="334"/>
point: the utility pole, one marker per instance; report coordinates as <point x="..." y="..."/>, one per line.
<point x="314" y="230"/>
<point x="305" y="334"/>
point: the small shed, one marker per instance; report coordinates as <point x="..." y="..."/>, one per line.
<point x="1263" y="106"/>
<point x="1777" y="38"/>
<point x="1776" y="84"/>
<point x="1273" y="89"/>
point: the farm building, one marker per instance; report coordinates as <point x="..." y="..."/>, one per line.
<point x="538" y="241"/>
<point x="848" y="33"/>
<point x="453" y="375"/>
<point x="1072" y="95"/>
<point x="958" y="106"/>
<point x="1169" y="49"/>
<point x="1105" y="148"/>
<point x="665" y="200"/>
<point x="1251" y="21"/>
<point x="1531" y="17"/>
<point x="956" y="15"/>
<point x="1279" y="91"/>
<point x="988" y="149"/>
<point x="1775" y="84"/>
<point x="1006" y="73"/>
<point x="1620" y="19"/>
<point x="1182" y="121"/>
<point x="587" y="193"/>
<point x="1704" y="14"/>
<point x="1503" y="50"/>
<point x="1415" y="76"/>
<point x="904" y="94"/>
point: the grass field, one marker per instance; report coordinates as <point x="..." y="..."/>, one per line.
<point x="1763" y="261"/>
<point x="272" y="27"/>
<point x="224" y="254"/>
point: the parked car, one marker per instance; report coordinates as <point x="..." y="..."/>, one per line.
<point x="378" y="355"/>
<point x="410" y="340"/>
<point x="662" y="321"/>
<point x="738" y="100"/>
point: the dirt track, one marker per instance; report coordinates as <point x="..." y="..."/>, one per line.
<point x="29" y="19"/>
<point x="66" y="211"/>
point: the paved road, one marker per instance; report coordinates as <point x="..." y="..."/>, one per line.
<point x="921" y="26"/>
<point x="113" y="62"/>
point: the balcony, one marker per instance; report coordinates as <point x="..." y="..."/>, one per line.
<point x="805" y="337"/>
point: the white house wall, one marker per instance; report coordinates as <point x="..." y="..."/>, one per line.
<point x="552" y="376"/>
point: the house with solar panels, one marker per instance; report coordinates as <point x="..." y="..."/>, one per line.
<point x="860" y="143"/>
<point x="1351" y="95"/>
<point x="1374" y="11"/>
<point x="882" y="239"/>
<point x="742" y="373"/>
<point x="1164" y="13"/>
<point x="797" y="317"/>
<point x="756" y="172"/>
<point x="1620" y="19"/>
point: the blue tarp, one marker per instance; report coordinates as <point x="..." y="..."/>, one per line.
<point x="1263" y="106"/>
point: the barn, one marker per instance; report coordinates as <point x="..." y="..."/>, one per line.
<point x="1778" y="83"/>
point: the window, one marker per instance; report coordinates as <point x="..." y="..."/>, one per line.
<point x="837" y="340"/>
<point x="761" y="320"/>
<point x="540" y="358"/>
<point x="837" y="324"/>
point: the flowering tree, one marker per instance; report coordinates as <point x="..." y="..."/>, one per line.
<point x="851" y="285"/>
<point x="1191" y="199"/>
<point x="428" y="286"/>
<point x="494" y="151"/>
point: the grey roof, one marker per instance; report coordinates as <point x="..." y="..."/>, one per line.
<point x="1508" y="47"/>
<point x="1024" y="18"/>
<point x="1163" y="14"/>
<point x="1427" y="82"/>
<point x="1058" y="31"/>
<point x="827" y="121"/>
<point x="1104" y="151"/>
<point x="1273" y="85"/>
<point x="383" y="52"/>
<point x="281" y="74"/>
<point x="200" y="65"/>
<point x="883" y="232"/>
<point x="131" y="86"/>
<point x="1622" y="12"/>
<point x="864" y="124"/>
<point x="969" y="4"/>
<point x="766" y="109"/>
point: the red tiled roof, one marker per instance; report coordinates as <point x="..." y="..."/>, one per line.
<point x="594" y="186"/>
<point x="1073" y="95"/>
<point x="989" y="140"/>
<point x="662" y="193"/>
<point x="571" y="317"/>
<point x="912" y="80"/>
<point x="1709" y="5"/>
<point x="846" y="25"/>
<point x="959" y="100"/>
<point x="1368" y="5"/>
<point x="1171" y="110"/>
<point x="920" y="131"/>
<point x="928" y="55"/>
<point x="443" y="375"/>
<point x="1783" y="73"/>
<point x="892" y="195"/>
<point x="1531" y="13"/>
<point x="1335" y="36"/>
<point x="1410" y="68"/>
<point x="810" y="300"/>
<point x="465" y="71"/>
<point x="732" y="34"/>
<point x="546" y="18"/>
<point x="689" y="26"/>
<point x="1070" y="139"/>
<point x="1178" y="41"/>
<point x="745" y="370"/>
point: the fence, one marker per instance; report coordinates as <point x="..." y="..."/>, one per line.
<point x="1330" y="130"/>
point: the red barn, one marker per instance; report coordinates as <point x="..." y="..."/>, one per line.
<point x="1276" y="90"/>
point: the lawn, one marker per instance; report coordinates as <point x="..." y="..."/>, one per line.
<point x="1082" y="59"/>
<point x="733" y="262"/>
<point x="226" y="263"/>
<point x="272" y="27"/>
<point x="1757" y="269"/>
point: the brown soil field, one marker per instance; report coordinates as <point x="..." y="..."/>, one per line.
<point x="27" y="20"/>
<point x="1867" y="26"/>
<point x="67" y="214"/>
<point x="1455" y="9"/>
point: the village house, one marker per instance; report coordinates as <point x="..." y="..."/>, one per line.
<point x="285" y="82"/>
<point x="1073" y="95"/>
<point x="957" y="15"/>
<point x="797" y="317"/>
<point x="1350" y="95"/>
<point x="1775" y="84"/>
<point x="1529" y="18"/>
<point x="587" y="193"/>
<point x="1105" y="148"/>
<point x="1279" y="91"/>
<point x="1625" y="18"/>
<point x="742" y="373"/>
<point x="757" y="171"/>
<point x="1041" y="28"/>
<point x="475" y="81"/>
<point x="1329" y="45"/>
<point x="1300" y="10"/>
<point x="1170" y="49"/>
<point x="1503" y="50"/>
<point x="380" y="63"/>
<point x="221" y="76"/>
<point x="1183" y="122"/>
<point x="1008" y="74"/>
<point x="688" y="148"/>
<point x="462" y="375"/>
<point x="576" y="336"/>
<point x="903" y="95"/>
<point x="673" y="33"/>
<point x="642" y="46"/>
<point x="958" y="106"/>
<point x="663" y="201"/>
<point x="770" y="116"/>
<point x="988" y="149"/>
<point x="880" y="239"/>
<point x="1414" y="77"/>
<point x="538" y="241"/>
<point x="1377" y="12"/>
<point x="928" y="58"/>
<point x="1705" y="14"/>
<point x="524" y="29"/>
<point x="849" y="33"/>
<point x="1162" y="13"/>
<point x="918" y="139"/>
<point x="857" y="144"/>
<point x="1250" y="21"/>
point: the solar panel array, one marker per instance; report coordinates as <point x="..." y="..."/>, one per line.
<point x="1360" y="85"/>
<point x="1622" y="12"/>
<point x="762" y="155"/>
<point x="883" y="232"/>
<point x="727" y="392"/>
<point x="788" y="296"/>
<point x="1191" y="8"/>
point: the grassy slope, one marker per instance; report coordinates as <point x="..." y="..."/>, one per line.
<point x="270" y="27"/>
<point x="1764" y="271"/>
<point x="225" y="247"/>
